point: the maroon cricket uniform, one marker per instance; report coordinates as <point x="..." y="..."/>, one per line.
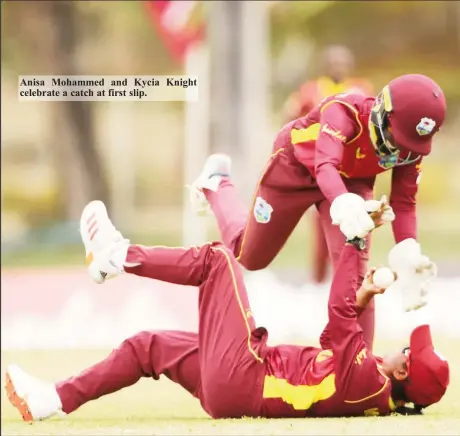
<point x="315" y="159"/>
<point x="222" y="365"/>
<point x="228" y="365"/>
<point x="344" y="378"/>
<point x="299" y="104"/>
<point x="346" y="146"/>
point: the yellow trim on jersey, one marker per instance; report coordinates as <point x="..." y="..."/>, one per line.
<point x="256" y="192"/>
<point x="244" y="312"/>
<point x="310" y="133"/>
<point x="359" y="155"/>
<point x="355" y="112"/>
<point x="300" y="397"/>
<point x="370" y="396"/>
<point x="373" y="411"/>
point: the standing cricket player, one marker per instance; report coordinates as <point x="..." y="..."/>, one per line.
<point x="337" y="149"/>
<point x="337" y="63"/>
<point x="228" y="365"/>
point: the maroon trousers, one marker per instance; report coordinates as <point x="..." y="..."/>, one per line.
<point x="285" y="191"/>
<point x="320" y="252"/>
<point x="222" y="365"/>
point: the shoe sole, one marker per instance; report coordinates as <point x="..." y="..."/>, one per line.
<point x="18" y="402"/>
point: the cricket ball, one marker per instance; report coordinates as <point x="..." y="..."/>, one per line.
<point x="383" y="277"/>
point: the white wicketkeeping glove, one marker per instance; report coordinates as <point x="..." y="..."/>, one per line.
<point x="414" y="273"/>
<point x="349" y="212"/>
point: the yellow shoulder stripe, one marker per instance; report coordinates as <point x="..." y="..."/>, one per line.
<point x="310" y="133"/>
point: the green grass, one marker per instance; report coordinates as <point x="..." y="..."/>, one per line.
<point x="162" y="408"/>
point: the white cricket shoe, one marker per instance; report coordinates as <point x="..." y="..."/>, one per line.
<point x="105" y="246"/>
<point x="215" y="167"/>
<point x="35" y="399"/>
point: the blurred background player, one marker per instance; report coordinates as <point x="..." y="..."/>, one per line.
<point x="337" y="64"/>
<point x="229" y="354"/>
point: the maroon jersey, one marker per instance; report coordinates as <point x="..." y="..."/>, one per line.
<point x="344" y="380"/>
<point x="332" y="141"/>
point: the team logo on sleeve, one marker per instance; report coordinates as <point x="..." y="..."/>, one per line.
<point x="262" y="211"/>
<point x="425" y="126"/>
<point x="334" y="133"/>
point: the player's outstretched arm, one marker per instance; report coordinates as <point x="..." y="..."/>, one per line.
<point x="342" y="312"/>
<point x="364" y="295"/>
<point x="356" y="369"/>
<point x="346" y="339"/>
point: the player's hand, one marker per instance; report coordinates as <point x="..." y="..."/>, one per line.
<point x="368" y="290"/>
<point x="348" y="211"/>
<point x="415" y="273"/>
<point x="380" y="211"/>
<point x="368" y="283"/>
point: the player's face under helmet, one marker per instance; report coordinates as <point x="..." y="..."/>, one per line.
<point x="404" y="118"/>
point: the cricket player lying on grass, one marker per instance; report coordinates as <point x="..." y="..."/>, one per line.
<point x="228" y="365"/>
<point x="339" y="147"/>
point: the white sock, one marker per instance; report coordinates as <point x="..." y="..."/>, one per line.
<point x="119" y="257"/>
<point x="213" y="182"/>
<point x="55" y="398"/>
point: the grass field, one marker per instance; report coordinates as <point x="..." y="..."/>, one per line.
<point x="162" y="408"/>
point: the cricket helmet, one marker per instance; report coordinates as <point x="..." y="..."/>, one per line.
<point x="404" y="118"/>
<point x="428" y="371"/>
